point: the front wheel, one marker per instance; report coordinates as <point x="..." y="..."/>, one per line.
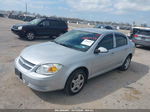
<point x="30" y="36"/>
<point x="75" y="82"/>
<point x="126" y="64"/>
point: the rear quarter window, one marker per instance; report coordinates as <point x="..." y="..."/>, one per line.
<point x="56" y="23"/>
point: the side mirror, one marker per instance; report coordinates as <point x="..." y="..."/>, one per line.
<point x="100" y="50"/>
<point x="97" y="51"/>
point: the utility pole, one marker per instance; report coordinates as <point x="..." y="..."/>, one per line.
<point x="26" y="6"/>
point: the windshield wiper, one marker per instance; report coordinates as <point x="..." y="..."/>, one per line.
<point x="65" y="45"/>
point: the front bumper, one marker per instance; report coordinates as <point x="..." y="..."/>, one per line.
<point x="20" y="33"/>
<point x="41" y="82"/>
<point x="141" y="42"/>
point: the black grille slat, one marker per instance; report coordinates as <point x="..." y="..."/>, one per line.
<point x="25" y="64"/>
<point x="29" y="63"/>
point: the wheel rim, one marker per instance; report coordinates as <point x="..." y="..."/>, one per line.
<point x="77" y="83"/>
<point x="30" y="36"/>
<point x="127" y="63"/>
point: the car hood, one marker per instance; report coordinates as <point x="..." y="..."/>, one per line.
<point x="24" y="25"/>
<point x="49" y="52"/>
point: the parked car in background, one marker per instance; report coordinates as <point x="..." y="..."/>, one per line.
<point x="79" y="55"/>
<point x="105" y="27"/>
<point x="141" y="36"/>
<point x="40" y="27"/>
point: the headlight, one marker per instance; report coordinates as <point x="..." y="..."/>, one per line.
<point x="47" y="69"/>
<point x="20" y="28"/>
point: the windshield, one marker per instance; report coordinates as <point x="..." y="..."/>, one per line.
<point x="35" y="21"/>
<point x="79" y="40"/>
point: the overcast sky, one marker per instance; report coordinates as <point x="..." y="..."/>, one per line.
<point x="101" y="10"/>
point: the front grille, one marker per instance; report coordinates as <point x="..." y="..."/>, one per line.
<point x="25" y="64"/>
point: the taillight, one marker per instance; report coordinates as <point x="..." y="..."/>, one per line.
<point x="136" y="36"/>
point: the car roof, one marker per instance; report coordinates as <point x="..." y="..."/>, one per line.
<point x="97" y="30"/>
<point x="54" y="19"/>
<point x="141" y="28"/>
<point x="103" y="25"/>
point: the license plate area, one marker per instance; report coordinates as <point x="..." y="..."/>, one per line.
<point x="18" y="73"/>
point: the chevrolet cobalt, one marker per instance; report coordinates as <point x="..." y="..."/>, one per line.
<point x="71" y="59"/>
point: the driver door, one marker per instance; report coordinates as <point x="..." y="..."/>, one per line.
<point x="103" y="62"/>
<point x="43" y="28"/>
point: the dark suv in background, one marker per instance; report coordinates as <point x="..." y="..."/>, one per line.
<point x="101" y="26"/>
<point x="40" y="27"/>
<point x="141" y="36"/>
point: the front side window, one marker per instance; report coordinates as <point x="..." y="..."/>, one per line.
<point x="107" y="42"/>
<point x="45" y="23"/>
<point x="79" y="40"/>
<point x="121" y="40"/>
<point x="35" y="21"/>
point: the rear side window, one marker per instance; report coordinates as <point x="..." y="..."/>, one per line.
<point x="54" y="23"/>
<point x="57" y="23"/>
<point x="121" y="40"/>
<point x="107" y="42"/>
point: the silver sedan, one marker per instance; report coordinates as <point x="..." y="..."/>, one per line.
<point x="73" y="58"/>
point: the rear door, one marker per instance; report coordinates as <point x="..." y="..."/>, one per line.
<point x="121" y="48"/>
<point x="54" y="27"/>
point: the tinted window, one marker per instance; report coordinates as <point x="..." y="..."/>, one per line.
<point x="45" y="23"/>
<point x="57" y="23"/>
<point x="121" y="40"/>
<point x="62" y="23"/>
<point x="54" y="23"/>
<point x="35" y="21"/>
<point x="107" y="42"/>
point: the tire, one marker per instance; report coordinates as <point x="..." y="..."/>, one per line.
<point x="126" y="64"/>
<point x="30" y="36"/>
<point x="75" y="82"/>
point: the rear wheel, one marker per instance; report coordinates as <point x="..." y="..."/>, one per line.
<point x="30" y="36"/>
<point x="126" y="63"/>
<point x="75" y="82"/>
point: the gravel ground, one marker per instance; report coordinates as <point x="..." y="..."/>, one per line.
<point x="113" y="90"/>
